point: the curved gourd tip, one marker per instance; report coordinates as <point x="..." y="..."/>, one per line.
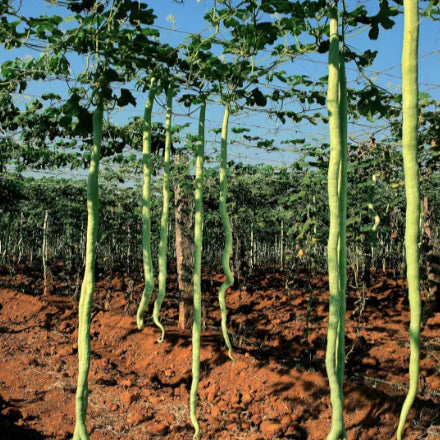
<point x="196" y="435"/>
<point x="162" y="336"/>
<point x="140" y="323"/>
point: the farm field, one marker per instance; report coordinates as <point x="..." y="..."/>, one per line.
<point x="219" y="219"/>
<point x="277" y="388"/>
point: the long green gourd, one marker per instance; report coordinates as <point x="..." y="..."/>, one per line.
<point x="146" y="208"/>
<point x="88" y="285"/>
<point x="163" y="243"/>
<point x="411" y="169"/>
<point x="331" y="359"/>
<point x="227" y="250"/>
<point x="342" y="218"/>
<point x="197" y="277"/>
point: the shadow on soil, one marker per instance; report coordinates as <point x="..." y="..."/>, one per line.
<point x="9" y="430"/>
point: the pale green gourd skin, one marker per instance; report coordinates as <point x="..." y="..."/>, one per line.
<point x="146" y="209"/>
<point x="197" y="277"/>
<point x="85" y="303"/>
<point x="411" y="169"/>
<point x="163" y="243"/>
<point x="335" y="336"/>
<point x="342" y="217"/>
<point x="227" y="250"/>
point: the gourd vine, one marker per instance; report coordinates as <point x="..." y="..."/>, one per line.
<point x="146" y="208"/>
<point x="163" y="243"/>
<point x="411" y="171"/>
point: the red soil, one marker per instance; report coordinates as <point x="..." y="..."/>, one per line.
<point x="277" y="388"/>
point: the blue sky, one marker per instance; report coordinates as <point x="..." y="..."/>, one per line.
<point x="176" y="20"/>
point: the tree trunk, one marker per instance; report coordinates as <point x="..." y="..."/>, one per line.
<point x="282" y="246"/>
<point x="184" y="251"/>
<point x="432" y="258"/>
<point x="6" y="246"/>
<point x="47" y="281"/>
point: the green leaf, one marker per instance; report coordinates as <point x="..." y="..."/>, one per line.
<point x="374" y="32"/>
<point x="259" y="97"/>
<point x="324" y="46"/>
<point x="126" y="98"/>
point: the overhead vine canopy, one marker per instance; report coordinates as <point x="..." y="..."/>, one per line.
<point x="293" y="92"/>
